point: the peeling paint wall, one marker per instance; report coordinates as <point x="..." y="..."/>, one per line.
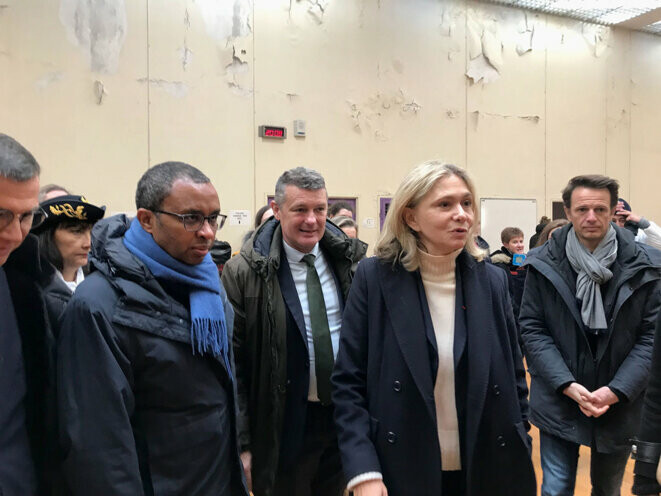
<point x="98" y="27"/>
<point x="523" y="100"/>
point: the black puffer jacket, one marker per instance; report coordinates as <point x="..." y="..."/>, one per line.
<point x="557" y="348"/>
<point x="139" y="413"/>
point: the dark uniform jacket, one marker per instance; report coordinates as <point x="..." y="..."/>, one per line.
<point x="26" y="272"/>
<point x="272" y="361"/>
<point x="558" y="350"/>
<point x="140" y="414"/>
<point x="384" y="383"/>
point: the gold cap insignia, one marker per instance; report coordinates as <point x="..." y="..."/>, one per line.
<point x="68" y="210"/>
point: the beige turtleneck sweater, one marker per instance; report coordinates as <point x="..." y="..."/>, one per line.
<point x="438" y="278"/>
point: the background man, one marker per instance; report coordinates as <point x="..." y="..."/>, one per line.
<point x="25" y="340"/>
<point x="145" y="389"/>
<point x="288" y="288"/>
<point x="341" y="207"/>
<point x="51" y="191"/>
<point x="587" y="320"/>
<point x="644" y="230"/>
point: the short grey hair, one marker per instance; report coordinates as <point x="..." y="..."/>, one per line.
<point x="301" y="177"/>
<point x="16" y="163"/>
<point x="155" y="184"/>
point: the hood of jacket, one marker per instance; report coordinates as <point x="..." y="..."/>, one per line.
<point x="139" y="291"/>
<point x="262" y="251"/>
<point x="501" y="256"/>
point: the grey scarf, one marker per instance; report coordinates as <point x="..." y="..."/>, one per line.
<point x="592" y="270"/>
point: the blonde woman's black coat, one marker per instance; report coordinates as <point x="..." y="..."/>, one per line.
<point x="384" y="383"/>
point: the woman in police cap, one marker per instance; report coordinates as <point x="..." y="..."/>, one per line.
<point x="64" y="240"/>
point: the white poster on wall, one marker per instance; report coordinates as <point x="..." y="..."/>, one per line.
<point x="239" y="217"/>
<point x="499" y="213"/>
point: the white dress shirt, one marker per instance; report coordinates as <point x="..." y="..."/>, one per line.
<point x="299" y="272"/>
<point x="72" y="285"/>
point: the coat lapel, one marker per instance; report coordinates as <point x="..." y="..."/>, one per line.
<point x="290" y="295"/>
<point x="479" y="329"/>
<point x="459" y="321"/>
<point x="401" y="296"/>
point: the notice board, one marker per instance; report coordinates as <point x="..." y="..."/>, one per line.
<point x="498" y="213"/>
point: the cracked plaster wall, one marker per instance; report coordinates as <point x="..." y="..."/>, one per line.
<point x="523" y="100"/>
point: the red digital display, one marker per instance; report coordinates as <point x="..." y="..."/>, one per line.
<point x="273" y="132"/>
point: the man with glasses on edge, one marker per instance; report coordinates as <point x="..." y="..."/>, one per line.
<point x="25" y="340"/>
<point x="146" y="390"/>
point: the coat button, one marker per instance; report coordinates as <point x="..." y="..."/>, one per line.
<point x="391" y="437"/>
<point x="496" y="390"/>
<point x="307" y="363"/>
<point x="501" y="441"/>
<point x="397" y="386"/>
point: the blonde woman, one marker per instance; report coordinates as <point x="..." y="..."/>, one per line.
<point x="429" y="387"/>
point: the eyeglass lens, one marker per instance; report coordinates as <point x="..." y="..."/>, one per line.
<point x="28" y="220"/>
<point x="194" y="222"/>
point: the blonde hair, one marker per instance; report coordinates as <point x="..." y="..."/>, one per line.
<point x="399" y="243"/>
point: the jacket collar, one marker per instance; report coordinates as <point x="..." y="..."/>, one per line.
<point x="634" y="262"/>
<point x="263" y="250"/>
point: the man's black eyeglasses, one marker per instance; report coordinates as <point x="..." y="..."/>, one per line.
<point x="28" y="220"/>
<point x="194" y="222"/>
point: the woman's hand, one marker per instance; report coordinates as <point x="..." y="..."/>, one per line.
<point x="370" y="488"/>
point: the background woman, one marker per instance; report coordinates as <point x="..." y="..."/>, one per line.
<point x="548" y="230"/>
<point x="430" y="392"/>
<point x="64" y="240"/>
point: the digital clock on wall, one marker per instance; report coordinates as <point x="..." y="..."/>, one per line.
<point x="275" y="132"/>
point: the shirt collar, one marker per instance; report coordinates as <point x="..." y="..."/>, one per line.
<point x="72" y="285"/>
<point x="295" y="256"/>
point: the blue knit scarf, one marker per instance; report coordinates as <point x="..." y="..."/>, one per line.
<point x="208" y="328"/>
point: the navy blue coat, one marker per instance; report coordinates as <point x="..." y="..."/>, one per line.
<point x="384" y="383"/>
<point x="557" y="347"/>
<point x="139" y="413"/>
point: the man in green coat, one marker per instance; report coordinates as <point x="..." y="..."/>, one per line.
<point x="288" y="287"/>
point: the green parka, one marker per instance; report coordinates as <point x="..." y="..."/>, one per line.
<point x="260" y="332"/>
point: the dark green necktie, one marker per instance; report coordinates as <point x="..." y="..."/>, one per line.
<point x="323" y="348"/>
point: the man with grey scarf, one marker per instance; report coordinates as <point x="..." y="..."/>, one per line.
<point x="587" y="322"/>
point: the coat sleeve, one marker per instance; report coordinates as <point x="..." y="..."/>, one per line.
<point x="542" y="354"/>
<point x="515" y="349"/>
<point x="633" y="373"/>
<point x="349" y="378"/>
<point x="95" y="405"/>
<point x="233" y="287"/>
<point x="650" y="236"/>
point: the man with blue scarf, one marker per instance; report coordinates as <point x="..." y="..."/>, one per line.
<point x="146" y="393"/>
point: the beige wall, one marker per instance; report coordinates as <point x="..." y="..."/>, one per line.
<point x="100" y="94"/>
